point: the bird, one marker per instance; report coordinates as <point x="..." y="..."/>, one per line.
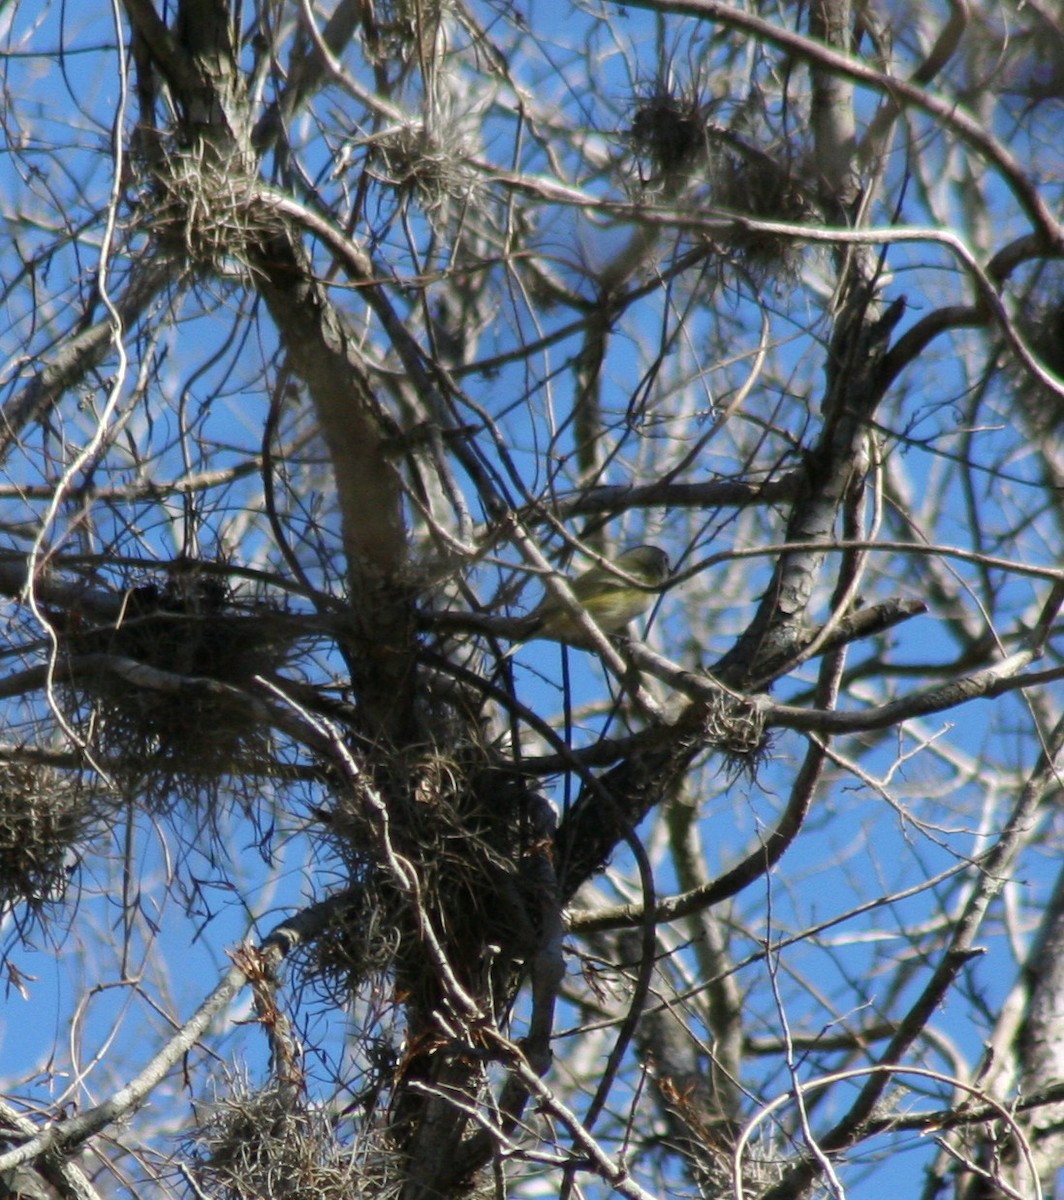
<point x="611" y="597"/>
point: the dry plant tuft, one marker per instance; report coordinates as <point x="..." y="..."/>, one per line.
<point x="462" y="833"/>
<point x="404" y="31"/>
<point x="168" y="682"/>
<point x="1041" y="324"/>
<point x="204" y="212"/>
<point x="44" y="820"/>
<point x="254" y="1145"/>
<point x="762" y="186"/>
<point x="669" y="129"/>
<point x="673" y="132"/>
<point x="425" y="163"/>
<point x="360" y="944"/>
<point x="736" y="729"/>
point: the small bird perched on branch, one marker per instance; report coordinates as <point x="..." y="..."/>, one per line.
<point x="610" y="597"/>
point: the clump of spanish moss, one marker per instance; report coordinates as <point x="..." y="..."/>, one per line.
<point x="680" y="144"/>
<point x="359" y="944"/>
<point x="735" y="728"/>
<point x="170" y="682"/>
<point x="403" y="31"/>
<point x="1041" y="324"/>
<point x="467" y="835"/>
<point x="203" y="212"/>
<point x="669" y="130"/>
<point x="424" y="162"/>
<point x="271" y="1143"/>
<point x="762" y="187"/>
<point x="44" y="820"/>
